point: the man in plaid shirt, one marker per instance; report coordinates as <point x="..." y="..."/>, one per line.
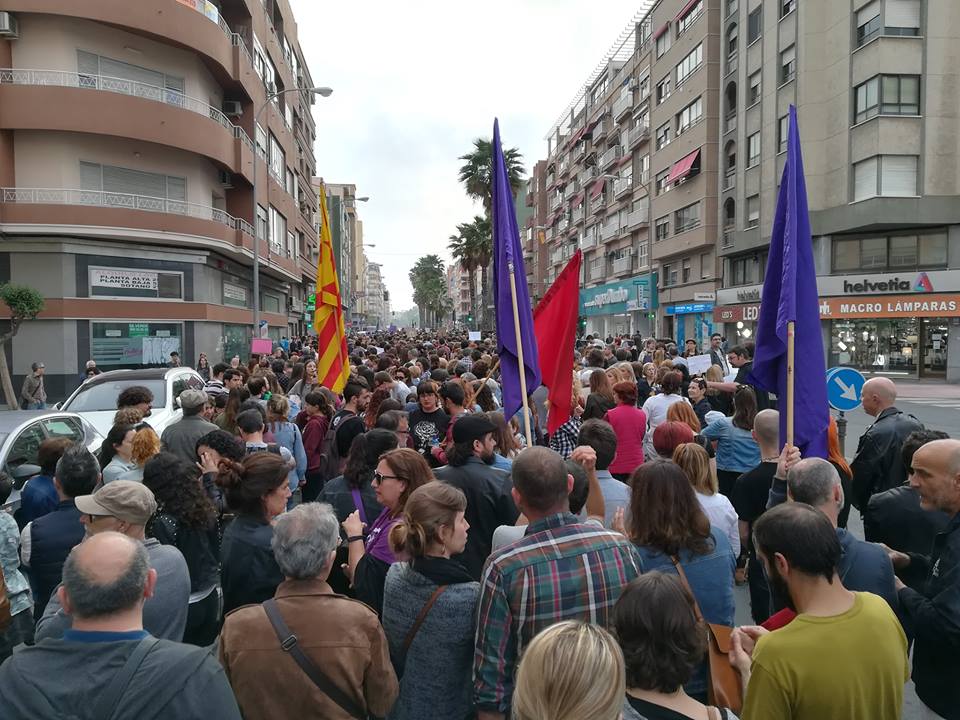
<point x="564" y="440"/>
<point x="560" y="570"/>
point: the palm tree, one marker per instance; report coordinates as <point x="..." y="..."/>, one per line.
<point x="472" y="248"/>
<point x="476" y="172"/>
<point x="429" y="289"/>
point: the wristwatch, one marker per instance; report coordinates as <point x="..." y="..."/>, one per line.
<point x="354" y="538"/>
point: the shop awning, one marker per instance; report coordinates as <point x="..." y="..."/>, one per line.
<point x="686" y="9"/>
<point x="683" y="167"/>
<point x="597" y="188"/>
<point x="661" y="31"/>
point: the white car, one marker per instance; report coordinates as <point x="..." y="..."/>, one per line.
<point x="96" y="399"/>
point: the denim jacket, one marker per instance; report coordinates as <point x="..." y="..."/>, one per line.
<point x="287" y="435"/>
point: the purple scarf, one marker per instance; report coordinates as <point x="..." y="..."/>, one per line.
<point x="378" y="544"/>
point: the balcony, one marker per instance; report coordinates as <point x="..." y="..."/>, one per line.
<point x="622" y="186"/>
<point x="564" y="166"/>
<point x="598" y="203"/>
<point x="636" y="134"/>
<point x="730" y="122"/>
<point x="551" y="180"/>
<point x="563" y="224"/>
<point x="622" y="265"/>
<point x="730" y="180"/>
<point x="576" y="215"/>
<point x="610" y="229"/>
<point x="588" y="239"/>
<point x="154" y="114"/>
<point x="609" y="157"/>
<point x="555" y="201"/>
<point x="600" y="130"/>
<point x="578" y="150"/>
<point x="586" y="176"/>
<point x="623" y="104"/>
<point x="596" y="271"/>
<point x="640" y="216"/>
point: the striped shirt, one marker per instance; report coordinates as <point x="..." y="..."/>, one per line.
<point x="560" y="570"/>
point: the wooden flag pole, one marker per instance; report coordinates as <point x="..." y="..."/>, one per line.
<point x="791" y="339"/>
<point x="523" y="372"/>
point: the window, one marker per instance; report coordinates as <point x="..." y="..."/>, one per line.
<point x="788" y="64"/>
<point x="662" y="228"/>
<point x="740" y="271"/>
<point x="262" y="222"/>
<point x="732" y="42"/>
<point x="732" y="7"/>
<point x="901" y="17"/>
<point x="706" y="266"/>
<point x="690" y="63"/>
<point x="868" y="23"/>
<point x="685" y="271"/>
<point x="662" y="186"/>
<point x="129" y="282"/>
<point x="754" y="24"/>
<point x="687" y="218"/>
<point x="753" y="94"/>
<point x="669" y="275"/>
<point x="753" y="211"/>
<point x="644" y="86"/>
<point x="291" y="245"/>
<point x="895" y="253"/>
<point x="663" y="89"/>
<point x="663" y="136"/>
<point x="663" y="44"/>
<point x="278" y="160"/>
<point x="260" y="136"/>
<point x="642" y="258"/>
<point x="783" y="132"/>
<point x="105" y="73"/>
<point x="753" y="150"/>
<point x="690" y="115"/>
<point x="787" y="7"/>
<point x="691" y="16"/>
<point x="729" y="213"/>
<point x="887" y="95"/>
<point x="128" y="345"/>
<point x="886" y="175"/>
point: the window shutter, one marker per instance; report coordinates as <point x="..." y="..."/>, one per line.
<point x="133" y="182"/>
<point x="865" y="179"/>
<point x="117" y="69"/>
<point x="90" y="177"/>
<point x="902" y="14"/>
<point x="87" y="63"/>
<point x="867" y="13"/>
<point x="899" y="175"/>
<point x="177" y="188"/>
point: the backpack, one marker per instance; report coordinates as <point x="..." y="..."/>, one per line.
<point x="331" y="464"/>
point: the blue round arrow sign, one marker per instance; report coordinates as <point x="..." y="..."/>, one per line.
<point x="844" y="388"/>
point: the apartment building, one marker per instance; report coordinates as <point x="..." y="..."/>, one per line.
<point x="536" y="252"/>
<point x="375" y="308"/>
<point x="875" y="83"/>
<point x="346" y="231"/>
<point x="128" y="149"/>
<point x="631" y="176"/>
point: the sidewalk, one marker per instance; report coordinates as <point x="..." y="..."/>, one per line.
<point x="927" y="389"/>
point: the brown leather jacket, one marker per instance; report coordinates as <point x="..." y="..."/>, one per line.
<point x="341" y="636"/>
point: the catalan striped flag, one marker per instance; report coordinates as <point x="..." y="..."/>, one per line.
<point x="333" y="364"/>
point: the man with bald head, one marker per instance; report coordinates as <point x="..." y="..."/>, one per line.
<point x="934" y="614"/>
<point x="876" y="466"/>
<point x="125" y="671"/>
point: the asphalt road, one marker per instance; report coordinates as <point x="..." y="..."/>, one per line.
<point x="935" y="413"/>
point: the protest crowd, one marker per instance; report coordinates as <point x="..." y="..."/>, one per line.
<point x="401" y="550"/>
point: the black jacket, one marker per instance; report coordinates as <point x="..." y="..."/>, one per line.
<point x="933" y="616"/>
<point x="895" y="518"/>
<point x="877" y="465"/>
<point x="489" y="505"/>
<point x="249" y="573"/>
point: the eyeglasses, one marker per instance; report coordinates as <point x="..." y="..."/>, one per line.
<point x="380" y="477"/>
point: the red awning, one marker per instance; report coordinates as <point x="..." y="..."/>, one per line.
<point x="686" y="9"/>
<point x="625" y="160"/>
<point x="597" y="188"/>
<point x="661" y="31"/>
<point x="576" y="136"/>
<point x="577" y="199"/>
<point x="553" y="218"/>
<point x="683" y="167"/>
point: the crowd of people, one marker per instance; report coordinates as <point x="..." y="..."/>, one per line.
<point x="403" y="549"/>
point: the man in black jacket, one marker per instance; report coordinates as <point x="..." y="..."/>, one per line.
<point x="877" y="466"/>
<point x="489" y="503"/>
<point x="934" y="614"/>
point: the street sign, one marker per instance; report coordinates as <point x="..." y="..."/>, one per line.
<point x="844" y="387"/>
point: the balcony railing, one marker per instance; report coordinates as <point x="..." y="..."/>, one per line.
<point x="578" y="150"/>
<point x="555" y="201"/>
<point x="126" y="201"/>
<point x="588" y="240"/>
<point x="638" y="133"/>
<point x="597" y="271"/>
<point x="576" y="215"/>
<point x="122" y="86"/>
<point x="730" y="180"/>
<point x="621" y="265"/>
<point x="586" y="176"/>
<point x="563" y="224"/>
<point x="610" y="229"/>
<point x="564" y="165"/>
<point x="640" y="216"/>
<point x="622" y="104"/>
<point x="730" y="122"/>
<point x="551" y="179"/>
<point x="610" y="156"/>
<point x="622" y="185"/>
<point x="600" y="129"/>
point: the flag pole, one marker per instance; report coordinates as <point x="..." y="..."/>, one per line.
<point x="523" y="371"/>
<point x="791" y="340"/>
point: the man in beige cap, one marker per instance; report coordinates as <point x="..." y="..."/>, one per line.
<point x="181" y="437"/>
<point x="126" y="507"/>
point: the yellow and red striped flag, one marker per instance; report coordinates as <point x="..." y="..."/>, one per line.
<point x="333" y="365"/>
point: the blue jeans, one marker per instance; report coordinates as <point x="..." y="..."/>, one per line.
<point x="37" y="406"/>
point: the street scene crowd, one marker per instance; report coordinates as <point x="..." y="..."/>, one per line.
<point x="400" y="550"/>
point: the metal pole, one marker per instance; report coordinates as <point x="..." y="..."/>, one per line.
<point x="842" y="432"/>
<point x="256" y="227"/>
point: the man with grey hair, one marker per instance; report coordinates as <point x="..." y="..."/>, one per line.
<point x="864" y="567"/>
<point x="306" y="625"/>
<point x="126" y="672"/>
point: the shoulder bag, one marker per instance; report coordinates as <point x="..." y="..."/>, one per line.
<point x="288" y="642"/>
<point x="408" y="640"/>
<point x="723" y="681"/>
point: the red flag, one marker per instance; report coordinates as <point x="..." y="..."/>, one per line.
<point x="555" y="325"/>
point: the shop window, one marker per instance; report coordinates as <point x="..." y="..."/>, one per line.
<point x="134" y="344"/>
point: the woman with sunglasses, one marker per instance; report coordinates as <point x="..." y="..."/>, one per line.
<point x="399" y="473"/>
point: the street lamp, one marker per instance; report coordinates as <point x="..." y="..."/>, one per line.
<point x="322" y="92"/>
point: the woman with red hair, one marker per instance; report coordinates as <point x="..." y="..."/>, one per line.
<point x="835" y="457"/>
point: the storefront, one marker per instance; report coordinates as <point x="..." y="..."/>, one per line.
<point x="689" y="321"/>
<point x="881" y="324"/>
<point x="623" y="307"/>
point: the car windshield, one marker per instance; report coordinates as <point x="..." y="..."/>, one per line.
<point x="103" y="396"/>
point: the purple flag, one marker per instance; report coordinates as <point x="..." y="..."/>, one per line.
<point x="507" y="257"/>
<point x="790" y="293"/>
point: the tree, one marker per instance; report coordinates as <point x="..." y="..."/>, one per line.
<point x="429" y="289"/>
<point x="24" y="303"/>
<point x="472" y="247"/>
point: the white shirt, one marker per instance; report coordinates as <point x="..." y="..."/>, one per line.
<point x="656" y="409"/>
<point x="723" y="517"/>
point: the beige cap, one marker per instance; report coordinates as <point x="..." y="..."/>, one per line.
<point x="126" y="500"/>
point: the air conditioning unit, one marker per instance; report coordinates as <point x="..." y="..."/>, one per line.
<point x="8" y="26"/>
<point x="226" y="178"/>
<point x="232" y="108"/>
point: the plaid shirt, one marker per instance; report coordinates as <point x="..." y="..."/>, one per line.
<point x="564" y="440"/>
<point x="560" y="570"/>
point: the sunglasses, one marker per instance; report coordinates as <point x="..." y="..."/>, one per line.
<point x="380" y="477"/>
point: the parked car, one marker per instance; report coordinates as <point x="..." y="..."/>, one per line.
<point x="22" y="431"/>
<point x="96" y="398"/>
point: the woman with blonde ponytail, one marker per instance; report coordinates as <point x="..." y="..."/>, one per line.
<point x="429" y="607"/>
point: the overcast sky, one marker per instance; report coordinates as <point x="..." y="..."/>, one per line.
<point x="415" y="83"/>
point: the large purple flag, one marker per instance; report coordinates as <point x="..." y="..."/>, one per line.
<point x="790" y="293"/>
<point x="507" y="256"/>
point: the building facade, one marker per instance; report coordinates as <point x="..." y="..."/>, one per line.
<point x="376" y="311"/>
<point x="128" y="154"/>
<point x="875" y="85"/>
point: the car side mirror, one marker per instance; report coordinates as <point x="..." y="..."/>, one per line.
<point x="57" y="406"/>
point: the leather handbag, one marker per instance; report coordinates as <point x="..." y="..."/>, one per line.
<point x="724" y="686"/>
